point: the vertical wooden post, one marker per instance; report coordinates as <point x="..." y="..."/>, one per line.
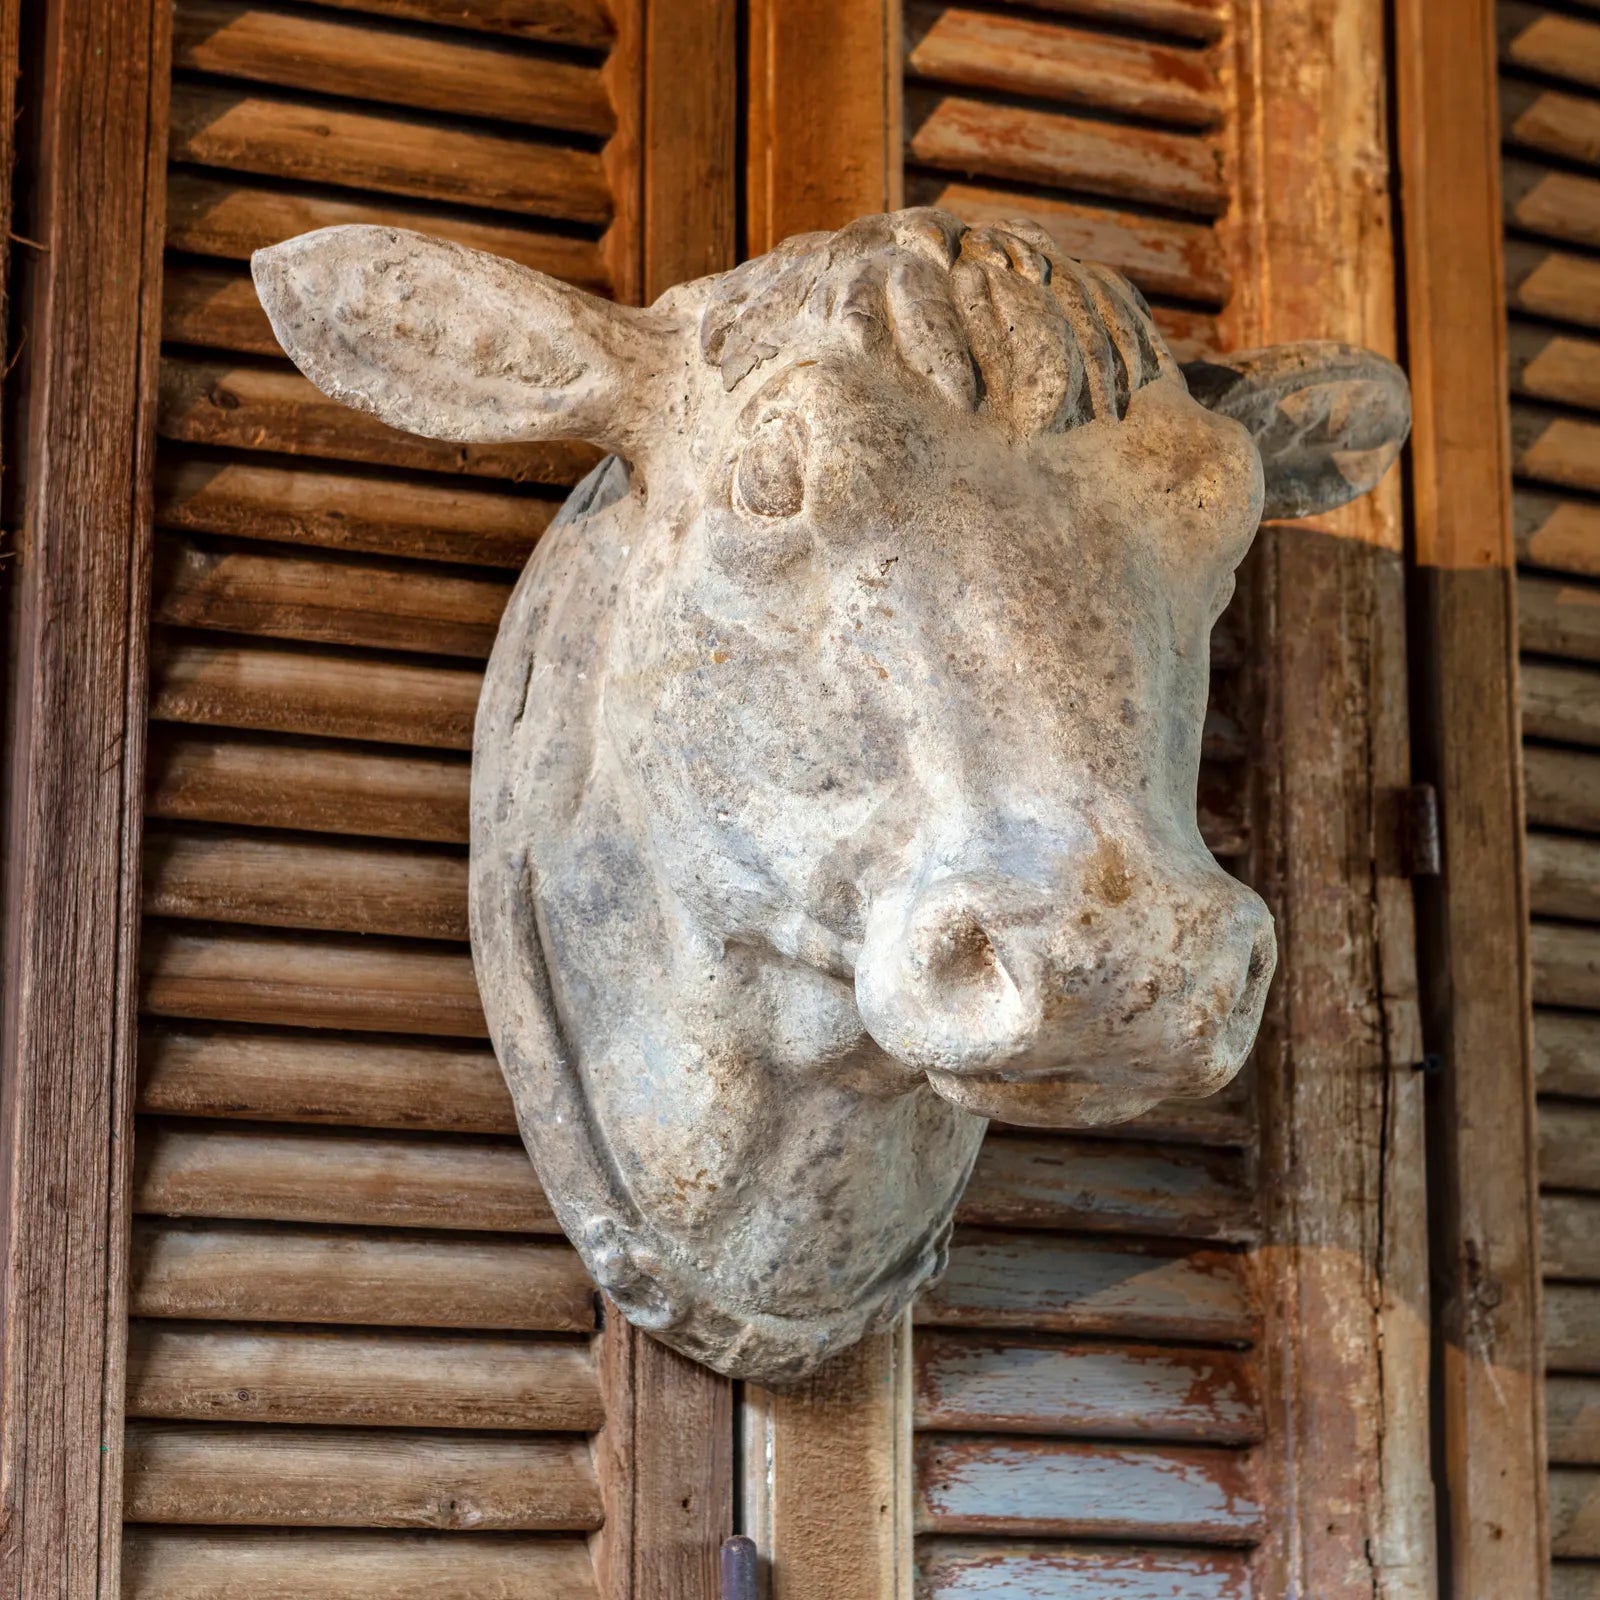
<point x="75" y="780"/>
<point x="1344" y="1268"/>
<point x="1482" y="1149"/>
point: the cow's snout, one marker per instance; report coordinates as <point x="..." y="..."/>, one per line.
<point x="1034" y="1005"/>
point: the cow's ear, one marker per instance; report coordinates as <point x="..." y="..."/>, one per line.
<point x="450" y="343"/>
<point x="1328" y="418"/>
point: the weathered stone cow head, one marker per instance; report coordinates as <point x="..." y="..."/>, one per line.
<point x="834" y="785"/>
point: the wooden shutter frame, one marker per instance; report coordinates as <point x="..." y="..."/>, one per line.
<point x="85" y="365"/>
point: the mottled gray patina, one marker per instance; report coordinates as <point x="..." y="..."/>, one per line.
<point x="834" y="785"/>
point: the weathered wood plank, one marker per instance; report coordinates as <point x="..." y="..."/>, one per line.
<point x="1572" y="1411"/>
<point x="274" y="408"/>
<point x="1574" y="1580"/>
<point x="296" y="691"/>
<point x="1554" y="448"/>
<point x="1552" y="203"/>
<point x="202" y="1564"/>
<point x="1024" y="145"/>
<point x="401" y="1083"/>
<point x="986" y="1569"/>
<point x="196" y="1373"/>
<point x="243" y="1272"/>
<point x="1566" y="1053"/>
<point x="1563" y="788"/>
<point x="1062" y="1489"/>
<point x="225" y="1476"/>
<point x="1119" y="1188"/>
<point x="1020" y="56"/>
<point x="1552" y="283"/>
<point x="364" y="513"/>
<point x="1550" y="123"/>
<point x="1563" y="535"/>
<point x="1201" y="20"/>
<point x="1572" y="1328"/>
<point x="1570" y="1226"/>
<point x="585" y="23"/>
<point x="1563" y="876"/>
<point x="1559" y="619"/>
<point x="427" y="71"/>
<point x="1575" y="1512"/>
<point x="1162" y="255"/>
<point x="975" y="1384"/>
<point x="1566" y="965"/>
<point x="1560" y="702"/>
<point x="367" y="1179"/>
<point x="1569" y="1149"/>
<point x="411" y="891"/>
<point x="323" y="599"/>
<point x="1120" y="1289"/>
<point x="369" y="985"/>
<point x="220" y="215"/>
<point x="213" y="126"/>
<point x="216" y="308"/>
<point x="308" y="785"/>
<point x="1541" y="40"/>
<point x="1558" y="367"/>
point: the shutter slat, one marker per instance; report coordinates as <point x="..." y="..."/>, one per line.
<point x="426" y="71"/>
<point x="1569" y="1149"/>
<point x="1563" y="788"/>
<point x="287" y="1077"/>
<point x="1085" y="1490"/>
<point x="1550" y="123"/>
<point x="1563" y="877"/>
<point x="1112" y="1186"/>
<point x="1554" y="366"/>
<point x="232" y="1476"/>
<point x="1560" y="702"/>
<point x="1572" y="1327"/>
<point x="1555" y="204"/>
<point x="1555" y="448"/>
<point x="185" y="1372"/>
<point x="1575" y="1512"/>
<point x="585" y="23"/>
<point x="274" y="783"/>
<point x="971" y="1569"/>
<point x="306" y="883"/>
<point x="401" y="155"/>
<point x="1572" y="1412"/>
<point x="1162" y="255"/>
<point x="1568" y="1225"/>
<point x="1566" y="966"/>
<point x="1014" y="55"/>
<point x="274" y="408"/>
<point x="970" y="1384"/>
<point x="1548" y="42"/>
<point x="457" y="522"/>
<point x="212" y="215"/>
<point x="1552" y="283"/>
<point x="1023" y="145"/>
<point x="1190" y="19"/>
<point x="216" y="307"/>
<point x="202" y="1564"/>
<point x="245" y="1272"/>
<point x="1566" y="1053"/>
<point x="292" y="691"/>
<point x="1575" y="1580"/>
<point x="1050" y="1283"/>
<point x="368" y="985"/>
<point x="1563" y="535"/>
<point x="325" y="600"/>
<point x="367" y="1179"/>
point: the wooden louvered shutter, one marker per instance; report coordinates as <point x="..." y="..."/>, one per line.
<point x="361" y="1360"/>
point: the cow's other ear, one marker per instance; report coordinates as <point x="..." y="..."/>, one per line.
<point x="450" y="343"/>
<point x="1328" y="418"/>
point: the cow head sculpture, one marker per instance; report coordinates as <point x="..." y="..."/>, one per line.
<point x="834" y="780"/>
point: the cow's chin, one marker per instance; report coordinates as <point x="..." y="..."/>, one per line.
<point x="1041" y="1102"/>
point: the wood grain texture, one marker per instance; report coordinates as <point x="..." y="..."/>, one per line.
<point x="229" y="217"/>
<point x="1561" y="702"/>
<point x="1555" y="448"/>
<point x="232" y="1476"/>
<point x="1201" y="20"/>
<point x="973" y="1569"/>
<point x="82" y="325"/>
<point x="1552" y="203"/>
<point x="201" y="1564"/>
<point x="410" y="156"/>
<point x="370" y="985"/>
<point x="377" y="1180"/>
<point x="428" y="71"/>
<point x="1563" y="877"/>
<point x="419" y="1084"/>
<point x="1572" y="1327"/>
<point x="1021" y="144"/>
<point x="1574" y="1512"/>
<point x="306" y="784"/>
<point x="1563" y="535"/>
<point x="1061" y="1489"/>
<point x="1550" y="123"/>
<point x="1552" y="283"/>
<point x="197" y="1373"/>
<point x="1044" y="60"/>
<point x="1569" y="1147"/>
<point x="1545" y="41"/>
<point x="587" y="24"/>
<point x="1566" y="1053"/>
<point x="344" y="511"/>
<point x="1572" y="1406"/>
<point x="1162" y="255"/>
<point x="1119" y="1289"/>
<point x="977" y="1384"/>
<point x="1558" y="367"/>
<point x="1570" y="1248"/>
<point x="273" y="408"/>
<point x="1566" y="965"/>
<point x="244" y="1272"/>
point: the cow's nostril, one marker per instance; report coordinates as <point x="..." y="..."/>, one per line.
<point x="959" y="951"/>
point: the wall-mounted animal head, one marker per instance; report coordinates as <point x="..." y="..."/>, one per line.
<point x="834" y="785"/>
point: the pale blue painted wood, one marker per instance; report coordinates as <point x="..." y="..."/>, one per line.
<point x="950" y="1569"/>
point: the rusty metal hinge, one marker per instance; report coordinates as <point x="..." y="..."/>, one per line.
<point x="1421" y="855"/>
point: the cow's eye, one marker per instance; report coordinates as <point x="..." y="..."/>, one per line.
<point x="770" y="479"/>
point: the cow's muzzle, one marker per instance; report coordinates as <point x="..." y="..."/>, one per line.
<point x="1063" y="1009"/>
